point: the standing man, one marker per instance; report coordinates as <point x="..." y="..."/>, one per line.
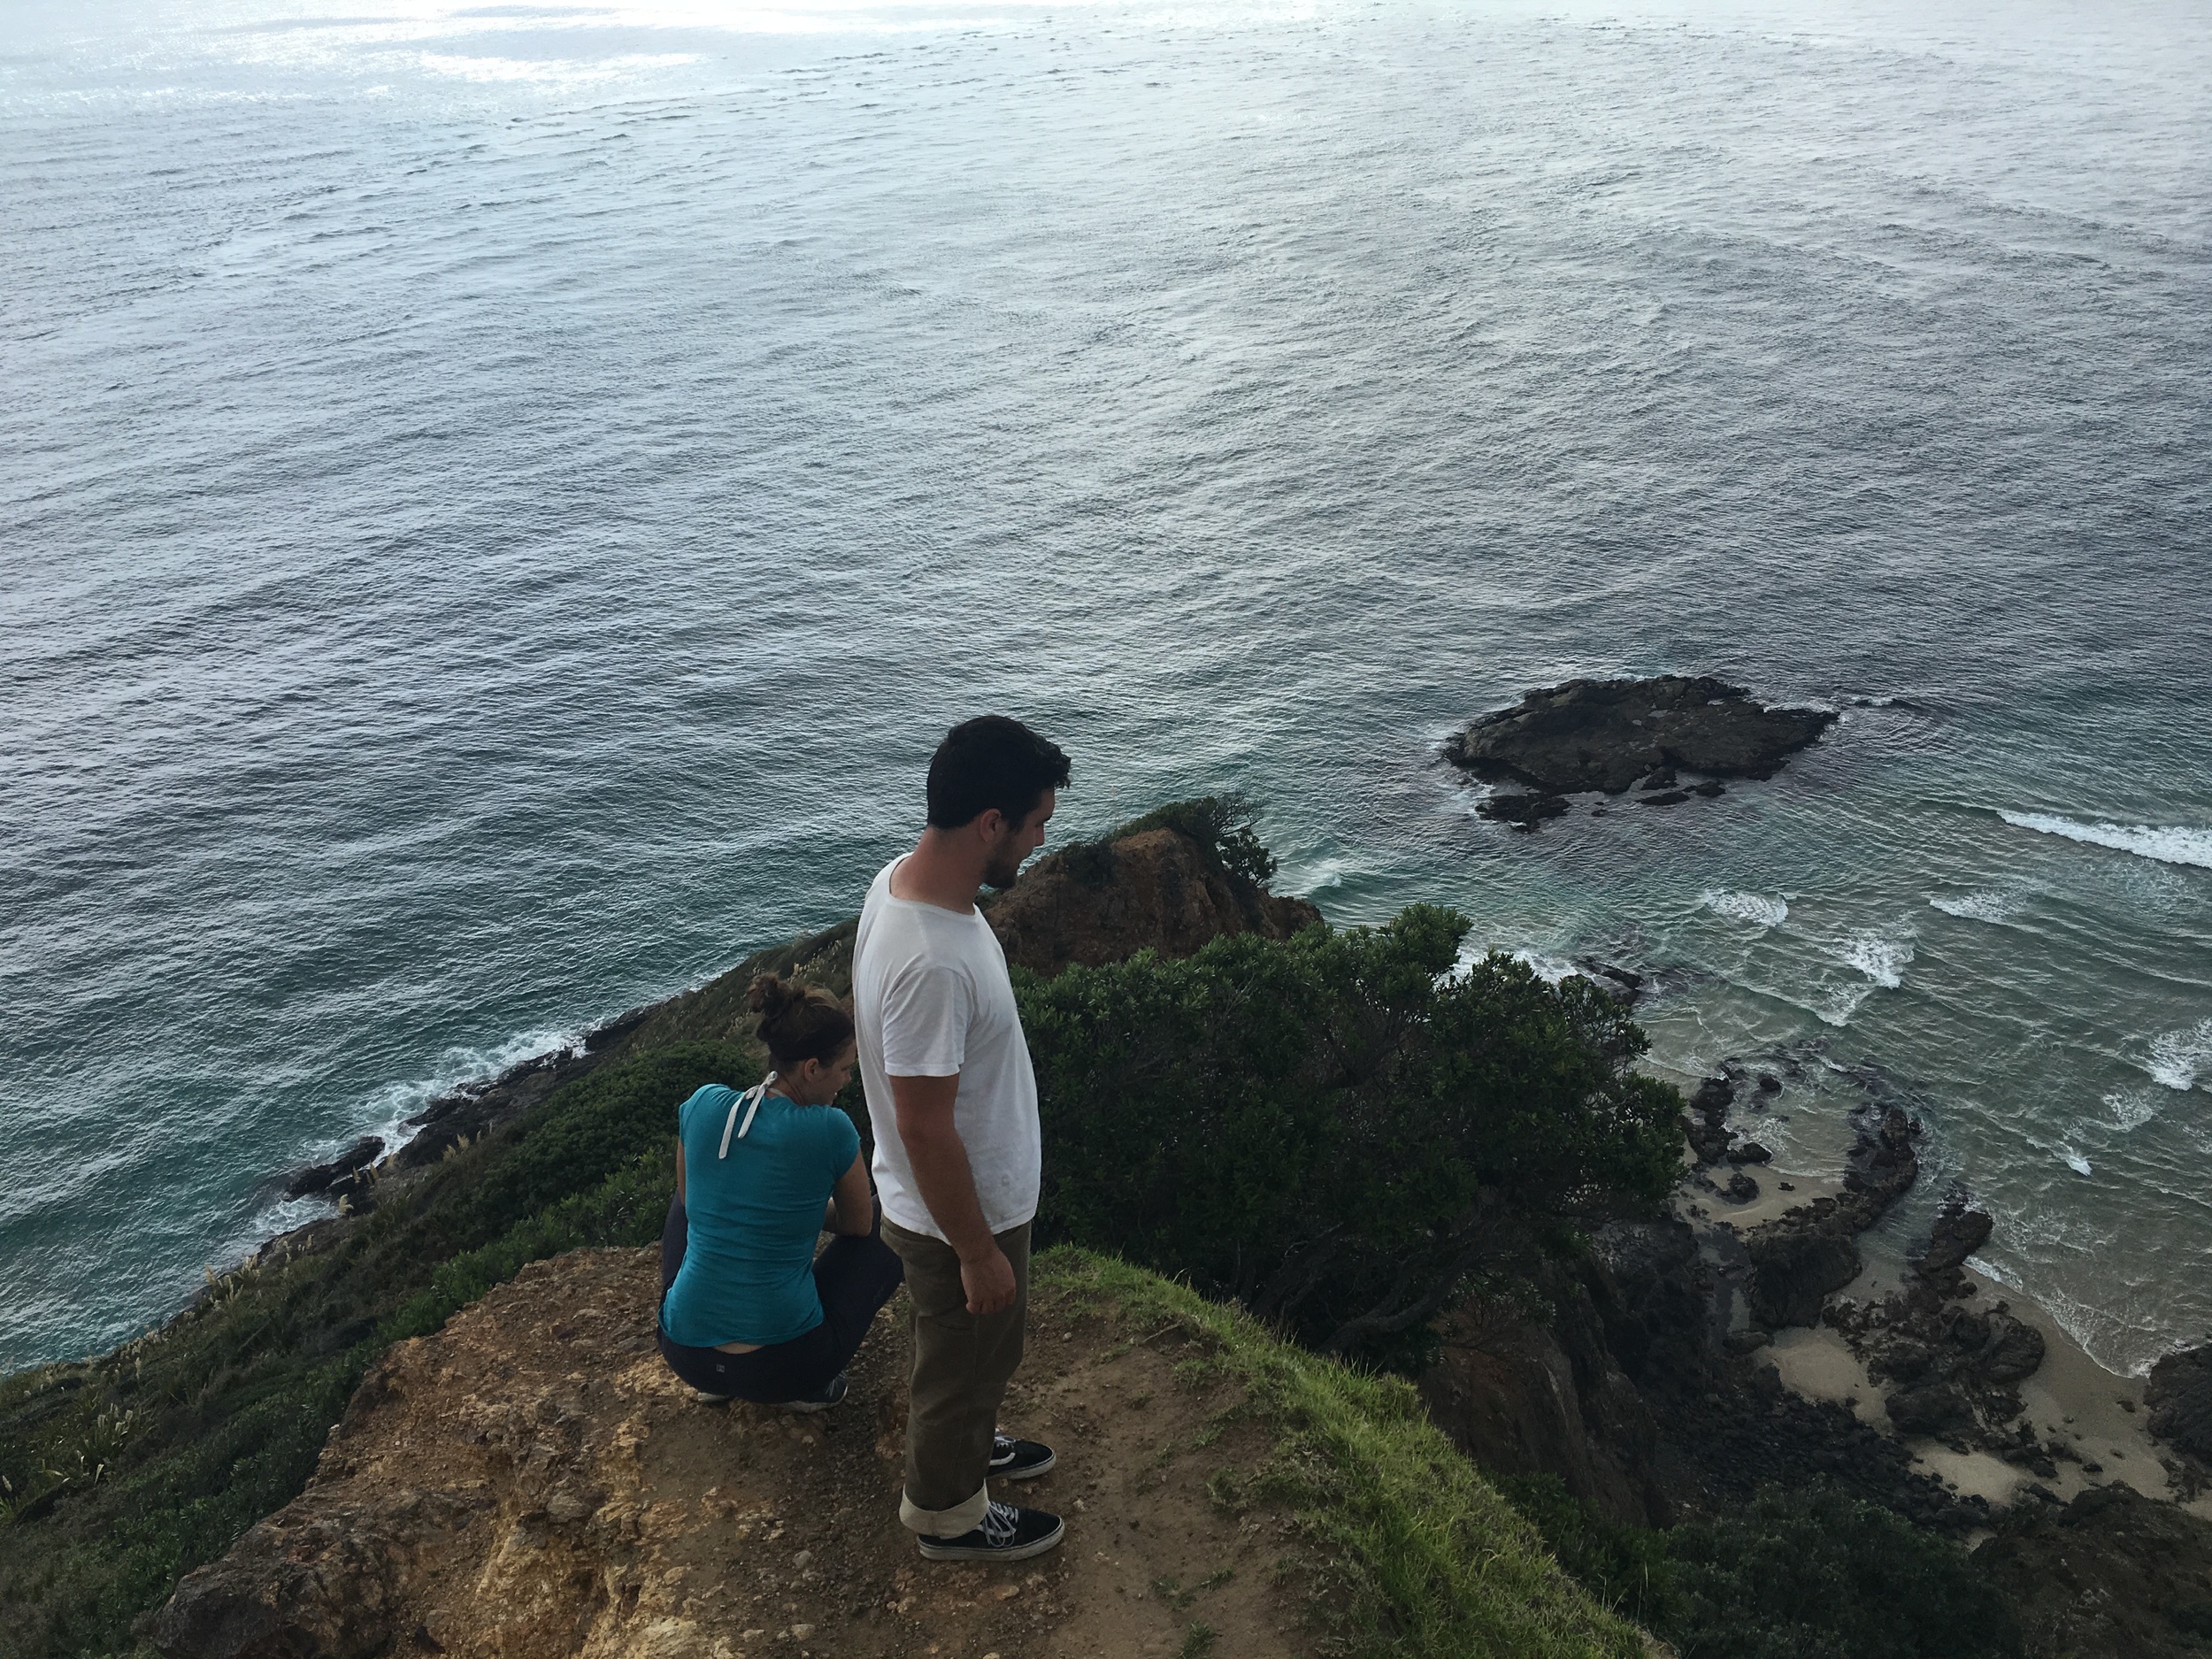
<point x="953" y="1102"/>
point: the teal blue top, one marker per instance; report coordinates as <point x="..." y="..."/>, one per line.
<point x="749" y="1266"/>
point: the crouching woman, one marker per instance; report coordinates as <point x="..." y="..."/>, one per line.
<point x="748" y="1311"/>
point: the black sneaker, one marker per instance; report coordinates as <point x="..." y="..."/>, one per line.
<point x="1019" y="1460"/>
<point x="1007" y="1533"/>
<point x="821" y="1400"/>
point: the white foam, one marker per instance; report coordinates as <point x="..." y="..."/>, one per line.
<point x="1754" y="908"/>
<point x="1990" y="905"/>
<point x="1550" y="970"/>
<point x="2180" y="1058"/>
<point x="1841" y="1004"/>
<point x="2170" y="844"/>
<point x="2133" y="1108"/>
<point x="1882" y="957"/>
<point x="2074" y="1160"/>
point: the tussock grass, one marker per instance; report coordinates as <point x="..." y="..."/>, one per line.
<point x="1416" y="1555"/>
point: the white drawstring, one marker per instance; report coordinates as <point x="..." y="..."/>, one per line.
<point x="756" y="1095"/>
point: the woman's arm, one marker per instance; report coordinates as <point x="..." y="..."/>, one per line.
<point x="855" y="1204"/>
<point x="680" y="1174"/>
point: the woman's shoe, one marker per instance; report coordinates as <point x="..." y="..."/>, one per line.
<point x="822" y="1399"/>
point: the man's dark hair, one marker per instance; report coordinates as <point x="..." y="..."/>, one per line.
<point x="991" y="762"/>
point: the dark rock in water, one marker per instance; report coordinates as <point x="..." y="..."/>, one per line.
<point x="1707" y="1126"/>
<point x="1663" y="778"/>
<point x="2179" y="1395"/>
<point x="1797" y="1260"/>
<point x="1619" y="982"/>
<point x="1522" y="811"/>
<point x="2112" y="1573"/>
<point x="1741" y="1189"/>
<point x="1672" y="797"/>
<point x="1936" y="1410"/>
<point x="1712" y="788"/>
<point x="1770" y="1084"/>
<point x="321" y="1176"/>
<point x="1959" y="1232"/>
<point x="1749" y="1152"/>
<point x="1606" y="734"/>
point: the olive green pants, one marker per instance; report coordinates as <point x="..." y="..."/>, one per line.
<point x="962" y="1365"/>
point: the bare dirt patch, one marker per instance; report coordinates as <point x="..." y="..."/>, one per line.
<point x="532" y="1480"/>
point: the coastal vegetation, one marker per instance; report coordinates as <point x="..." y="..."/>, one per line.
<point x="1338" y="1130"/>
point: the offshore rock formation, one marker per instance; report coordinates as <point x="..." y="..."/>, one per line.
<point x="1605" y="735"/>
<point x="1797" y="1260"/>
<point x="1158" y="890"/>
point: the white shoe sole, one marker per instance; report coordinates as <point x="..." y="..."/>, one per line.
<point x="936" y="1549"/>
<point x="1029" y="1473"/>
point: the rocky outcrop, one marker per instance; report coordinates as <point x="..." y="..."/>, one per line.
<point x="1952" y="1369"/>
<point x="1605" y="735"/>
<point x="340" y="1170"/>
<point x="2111" y="1573"/>
<point x="1812" y="1251"/>
<point x="532" y="1482"/>
<point x="1159" y="890"/>
<point x="2179" y="1395"/>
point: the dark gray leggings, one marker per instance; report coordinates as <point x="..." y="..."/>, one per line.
<point x="854" y="1278"/>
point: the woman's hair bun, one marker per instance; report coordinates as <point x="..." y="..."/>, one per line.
<point x="799" y="1022"/>
<point x="770" y="995"/>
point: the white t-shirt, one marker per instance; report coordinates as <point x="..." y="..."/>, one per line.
<point x="931" y="998"/>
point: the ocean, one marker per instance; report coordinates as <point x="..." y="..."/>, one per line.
<point x="498" y="503"/>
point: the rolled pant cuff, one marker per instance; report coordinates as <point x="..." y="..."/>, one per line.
<point x="962" y="1518"/>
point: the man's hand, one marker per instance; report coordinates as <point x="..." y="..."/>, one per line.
<point x="989" y="1282"/>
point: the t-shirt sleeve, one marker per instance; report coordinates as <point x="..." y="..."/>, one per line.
<point x="841" y="1143"/>
<point x="925" y="1011"/>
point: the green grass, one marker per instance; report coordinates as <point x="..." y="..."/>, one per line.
<point x="1420" y="1557"/>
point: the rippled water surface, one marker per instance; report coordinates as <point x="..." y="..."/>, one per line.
<point x="497" y="504"/>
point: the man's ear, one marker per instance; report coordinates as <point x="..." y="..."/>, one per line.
<point x="991" y="822"/>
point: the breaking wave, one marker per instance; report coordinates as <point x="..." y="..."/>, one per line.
<point x="1882" y="958"/>
<point x="1990" y="905"/>
<point x="1754" y="908"/>
<point x="2170" y="844"/>
<point x="2180" y="1057"/>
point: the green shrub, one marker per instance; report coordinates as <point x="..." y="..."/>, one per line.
<point x="1815" y="1574"/>
<point x="1336" y="1129"/>
<point x="1223" y="826"/>
<point x="1811" y="1574"/>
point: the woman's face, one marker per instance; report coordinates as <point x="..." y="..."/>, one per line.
<point x="826" y="1081"/>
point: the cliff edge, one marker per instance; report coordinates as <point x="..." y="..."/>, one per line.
<point x="532" y="1480"/>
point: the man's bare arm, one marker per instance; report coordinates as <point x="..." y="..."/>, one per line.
<point x="939" y="1159"/>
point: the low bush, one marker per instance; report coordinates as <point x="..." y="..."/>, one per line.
<point x="1336" y="1129"/>
<point x="1809" y="1574"/>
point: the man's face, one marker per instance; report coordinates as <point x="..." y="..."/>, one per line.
<point x="1011" y="843"/>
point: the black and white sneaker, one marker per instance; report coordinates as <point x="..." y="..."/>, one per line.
<point x="822" y="1399"/>
<point x="1007" y="1533"/>
<point x="1019" y="1460"/>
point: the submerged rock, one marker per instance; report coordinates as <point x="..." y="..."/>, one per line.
<point x="1606" y="734"/>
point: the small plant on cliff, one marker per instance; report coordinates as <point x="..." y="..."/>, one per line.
<point x="1222" y="825"/>
<point x="1336" y="1129"/>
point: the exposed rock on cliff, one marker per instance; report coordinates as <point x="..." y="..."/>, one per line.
<point x="1158" y="890"/>
<point x="2179" y="1395"/>
<point x="1605" y="735"/>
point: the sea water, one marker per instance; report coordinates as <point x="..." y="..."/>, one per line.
<point x="498" y="502"/>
